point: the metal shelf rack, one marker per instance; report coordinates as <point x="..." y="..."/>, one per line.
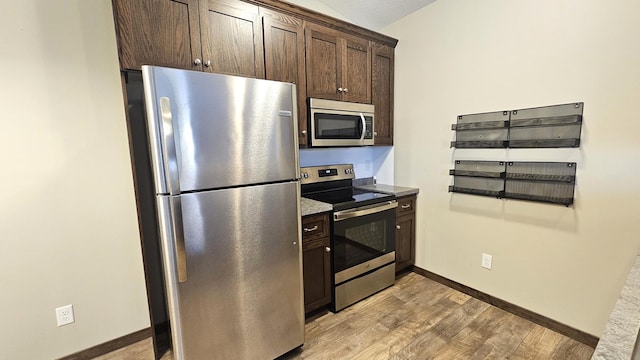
<point x="557" y="126"/>
<point x="550" y="182"/>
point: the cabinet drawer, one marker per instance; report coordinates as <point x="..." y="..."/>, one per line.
<point x="315" y="226"/>
<point x="406" y="205"/>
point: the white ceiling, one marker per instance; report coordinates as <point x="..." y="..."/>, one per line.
<point x="375" y="14"/>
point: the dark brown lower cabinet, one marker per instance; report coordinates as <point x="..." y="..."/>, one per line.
<point x="405" y="232"/>
<point x="316" y="261"/>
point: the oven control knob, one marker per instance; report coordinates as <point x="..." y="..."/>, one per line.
<point x="305" y="175"/>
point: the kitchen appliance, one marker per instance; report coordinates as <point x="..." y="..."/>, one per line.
<point x="363" y="232"/>
<point x="224" y="154"/>
<point x="340" y="123"/>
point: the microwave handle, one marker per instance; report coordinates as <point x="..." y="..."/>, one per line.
<point x="364" y="126"/>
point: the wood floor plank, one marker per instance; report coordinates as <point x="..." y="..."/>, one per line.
<point x="506" y="339"/>
<point x="366" y="320"/>
<point x="460" y="319"/>
<point x="464" y="344"/>
<point x="419" y="323"/>
<point x="418" y="318"/>
<point x="540" y="344"/>
<point x="569" y="349"/>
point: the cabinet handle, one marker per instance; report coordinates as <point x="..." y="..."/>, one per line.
<point x="197" y="62"/>
<point x="405" y="206"/>
<point x="327" y="249"/>
<point x="375" y="133"/>
<point x="207" y="63"/>
<point x="346" y="90"/>
<point x="340" y="89"/>
<point x="304" y="132"/>
<point x="311" y="229"/>
<point x="398" y="227"/>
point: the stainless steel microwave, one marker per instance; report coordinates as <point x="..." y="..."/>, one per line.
<point x="340" y="123"/>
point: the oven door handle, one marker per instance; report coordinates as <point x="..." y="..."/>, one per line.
<point x="347" y="214"/>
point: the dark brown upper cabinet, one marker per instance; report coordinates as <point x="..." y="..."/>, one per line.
<point x="338" y="65"/>
<point x="231" y="38"/>
<point x="325" y="57"/>
<point x="158" y="32"/>
<point x="223" y="36"/>
<point x="382" y="93"/>
<point x="284" y="58"/>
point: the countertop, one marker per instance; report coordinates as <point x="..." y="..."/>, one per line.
<point x="311" y="207"/>
<point x="620" y="335"/>
<point x="389" y="189"/>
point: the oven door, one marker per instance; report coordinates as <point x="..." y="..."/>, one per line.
<point x="363" y="239"/>
<point x="341" y="128"/>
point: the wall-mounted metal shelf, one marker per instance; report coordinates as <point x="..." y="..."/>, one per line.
<point x="550" y="182"/>
<point x="487" y="130"/>
<point x="557" y="126"/>
<point x="546" y="127"/>
<point x="478" y="178"/>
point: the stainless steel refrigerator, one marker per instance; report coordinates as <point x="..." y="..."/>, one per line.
<point x="224" y="156"/>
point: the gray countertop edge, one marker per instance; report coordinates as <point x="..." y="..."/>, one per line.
<point x="621" y="332"/>
<point x="390" y="189"/>
<point x="312" y="207"/>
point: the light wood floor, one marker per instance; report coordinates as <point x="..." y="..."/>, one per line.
<point x="418" y="318"/>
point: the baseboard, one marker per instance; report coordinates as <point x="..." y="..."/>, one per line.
<point x="110" y="346"/>
<point x="541" y="320"/>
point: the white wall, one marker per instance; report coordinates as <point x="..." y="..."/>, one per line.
<point x="464" y="56"/>
<point x="68" y="215"/>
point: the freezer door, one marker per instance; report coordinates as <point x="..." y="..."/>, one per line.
<point x="210" y="131"/>
<point x="242" y="297"/>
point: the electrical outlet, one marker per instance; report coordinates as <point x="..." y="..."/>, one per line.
<point x="64" y="315"/>
<point x="486" y="261"/>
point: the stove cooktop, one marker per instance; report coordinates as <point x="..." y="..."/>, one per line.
<point x="349" y="198"/>
<point x="332" y="184"/>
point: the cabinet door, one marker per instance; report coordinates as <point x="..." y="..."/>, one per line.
<point x="356" y="73"/>
<point x="405" y="241"/>
<point x="316" y="262"/>
<point x="231" y="38"/>
<point x="158" y="32"/>
<point x="382" y="94"/>
<point x="405" y="232"/>
<point x="324" y="71"/>
<point x="284" y="59"/>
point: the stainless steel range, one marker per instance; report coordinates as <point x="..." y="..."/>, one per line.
<point x="363" y="232"/>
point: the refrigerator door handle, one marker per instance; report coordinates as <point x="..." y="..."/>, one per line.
<point x="178" y="238"/>
<point x="170" y="148"/>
